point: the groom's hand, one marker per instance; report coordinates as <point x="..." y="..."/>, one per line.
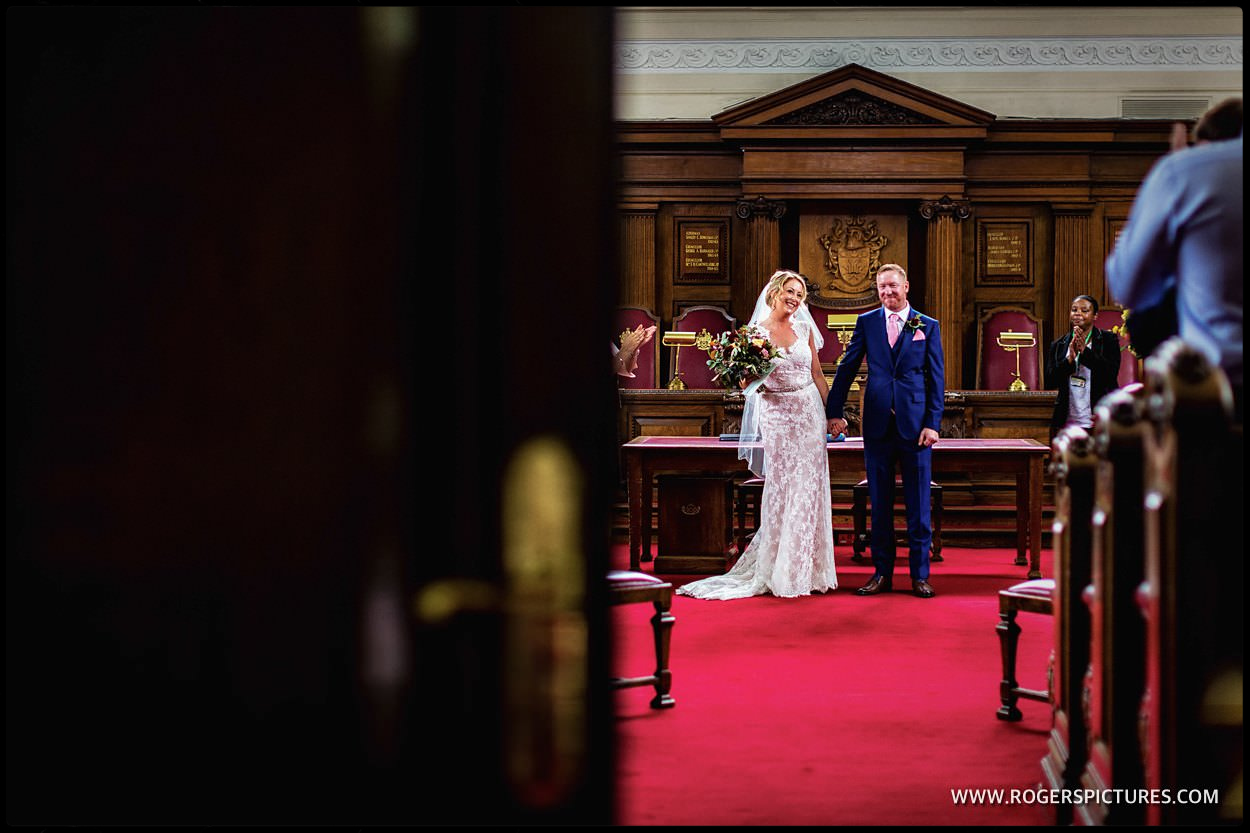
<point x="928" y="437"/>
<point x="836" y="426"/>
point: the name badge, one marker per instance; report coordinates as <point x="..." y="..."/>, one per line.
<point x="1077" y="381"/>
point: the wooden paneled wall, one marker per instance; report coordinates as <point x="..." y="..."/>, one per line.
<point x="999" y="213"/>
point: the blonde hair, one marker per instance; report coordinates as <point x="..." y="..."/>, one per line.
<point x="778" y="280"/>
<point x="892" y="267"/>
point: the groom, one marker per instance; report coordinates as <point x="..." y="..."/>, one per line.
<point x="902" y="413"/>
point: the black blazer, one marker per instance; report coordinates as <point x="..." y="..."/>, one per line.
<point x="1102" y="357"/>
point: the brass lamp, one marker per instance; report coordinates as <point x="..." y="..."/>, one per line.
<point x="844" y="325"/>
<point x="1014" y="342"/>
<point x="678" y="339"/>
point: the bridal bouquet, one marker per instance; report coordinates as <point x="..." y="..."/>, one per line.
<point x="744" y="353"/>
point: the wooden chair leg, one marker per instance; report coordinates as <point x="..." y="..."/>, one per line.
<point x="1008" y="638"/>
<point x="859" y="518"/>
<point x="662" y="625"/>
<point x="742" y="520"/>
<point x="751" y="494"/>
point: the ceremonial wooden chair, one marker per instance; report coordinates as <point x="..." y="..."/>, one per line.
<point x="750" y="494"/>
<point x="1074" y="468"/>
<point x="836" y="327"/>
<point x="1009" y="341"/>
<point x="1035" y="596"/>
<point x="1130" y="365"/>
<point x="691" y="362"/>
<point x="628" y="587"/>
<point x="648" y="373"/>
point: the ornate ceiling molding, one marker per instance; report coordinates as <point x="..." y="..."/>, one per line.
<point x="931" y="55"/>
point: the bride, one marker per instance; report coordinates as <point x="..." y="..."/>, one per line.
<point x="792" y="551"/>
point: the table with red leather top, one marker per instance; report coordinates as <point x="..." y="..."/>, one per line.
<point x="645" y="457"/>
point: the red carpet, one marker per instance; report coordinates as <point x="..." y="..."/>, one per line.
<point x="834" y="709"/>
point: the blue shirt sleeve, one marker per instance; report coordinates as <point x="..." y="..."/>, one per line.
<point x="1142" y="266"/>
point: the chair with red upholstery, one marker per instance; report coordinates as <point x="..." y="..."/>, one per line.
<point x="836" y="327"/>
<point x="1034" y="596"/>
<point x="691" y="362"/>
<point x="1009" y="350"/>
<point x="626" y="587"/>
<point x="1130" y="365"/>
<point x="648" y="373"/>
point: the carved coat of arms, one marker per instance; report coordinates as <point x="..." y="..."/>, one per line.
<point x="852" y="255"/>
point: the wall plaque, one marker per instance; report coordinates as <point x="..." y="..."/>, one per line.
<point x="1004" y="253"/>
<point x="701" y="249"/>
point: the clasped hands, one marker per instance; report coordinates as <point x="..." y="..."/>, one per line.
<point x="1077" y="344"/>
<point x="928" y="437"/>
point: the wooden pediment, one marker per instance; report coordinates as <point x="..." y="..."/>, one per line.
<point x="852" y="101"/>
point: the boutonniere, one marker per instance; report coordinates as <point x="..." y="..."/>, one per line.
<point x="915" y="324"/>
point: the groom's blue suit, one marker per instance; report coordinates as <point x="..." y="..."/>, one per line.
<point x="906" y="389"/>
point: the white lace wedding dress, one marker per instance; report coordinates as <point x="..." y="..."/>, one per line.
<point x="792" y="551"/>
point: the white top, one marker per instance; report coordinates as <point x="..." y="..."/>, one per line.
<point x="1080" y="411"/>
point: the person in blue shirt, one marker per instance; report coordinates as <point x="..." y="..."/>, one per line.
<point x="1184" y="233"/>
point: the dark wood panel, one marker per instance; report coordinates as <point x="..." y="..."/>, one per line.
<point x="218" y="395"/>
<point x="695" y="528"/>
<point x="675" y="168"/>
<point x="1017" y="165"/>
<point x="836" y="164"/>
<point x="661" y="412"/>
<point x="1115" y="166"/>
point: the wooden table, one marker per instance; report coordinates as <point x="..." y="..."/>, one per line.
<point x="645" y="457"/>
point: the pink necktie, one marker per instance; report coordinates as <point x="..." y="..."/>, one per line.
<point x="893" y="328"/>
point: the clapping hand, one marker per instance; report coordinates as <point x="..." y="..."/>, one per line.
<point x="631" y="342"/>
<point x="1180" y="136"/>
<point x="1077" y="344"/>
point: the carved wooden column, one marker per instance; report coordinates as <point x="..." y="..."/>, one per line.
<point x="763" y="251"/>
<point x="1074" y="267"/>
<point x="945" y="295"/>
<point x="638" y="256"/>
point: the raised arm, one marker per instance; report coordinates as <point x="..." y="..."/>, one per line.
<point x="626" y="360"/>
<point x="1139" y="269"/>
